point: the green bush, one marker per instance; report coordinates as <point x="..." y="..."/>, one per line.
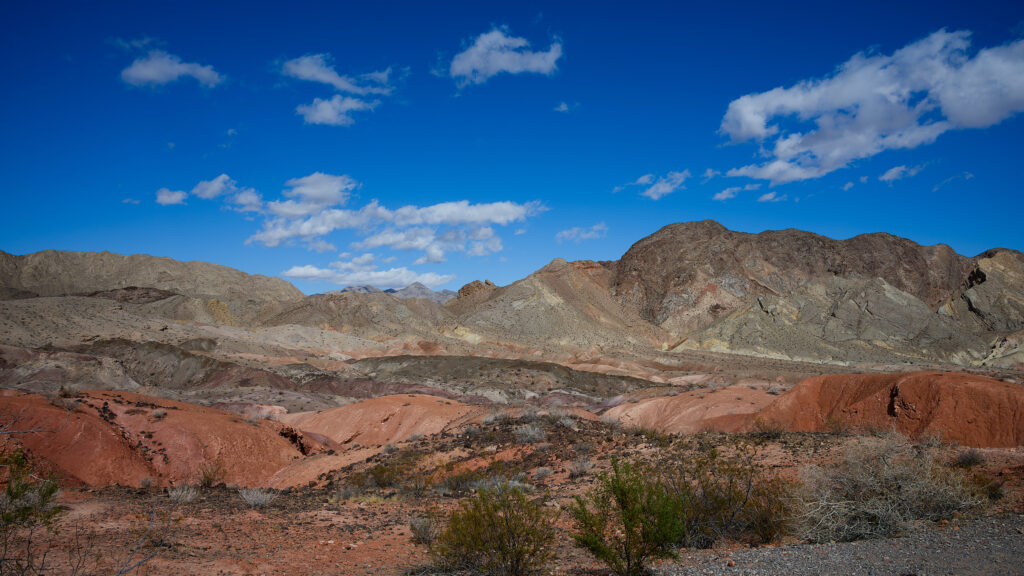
<point x="628" y="519"/>
<point x="728" y="496"/>
<point x="498" y="531"/>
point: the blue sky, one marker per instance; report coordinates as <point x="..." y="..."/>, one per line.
<point x="336" y="143"/>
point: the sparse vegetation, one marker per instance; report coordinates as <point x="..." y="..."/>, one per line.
<point x="879" y="489"/>
<point x="542" y="473"/>
<point x="28" y="509"/>
<point x="499" y="531"/>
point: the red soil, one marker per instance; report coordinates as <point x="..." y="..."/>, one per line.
<point x="967" y="409"/>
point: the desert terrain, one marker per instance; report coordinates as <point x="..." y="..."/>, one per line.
<point x="200" y="420"/>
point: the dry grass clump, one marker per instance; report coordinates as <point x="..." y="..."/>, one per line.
<point x="182" y="494"/>
<point x="257" y="497"/>
<point x="579" y="468"/>
<point x="529" y="434"/>
<point x="969" y="458"/>
<point x="880" y="488"/>
<point x="211" y="473"/>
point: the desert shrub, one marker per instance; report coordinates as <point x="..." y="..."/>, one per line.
<point x="579" y="467"/>
<point x="425" y="528"/>
<point x="415" y="437"/>
<point x="417" y="482"/>
<point x="471" y="431"/>
<point x="529" y="434"/>
<point x="257" y="497"/>
<point x="568" y="421"/>
<point x="542" y="473"/>
<point x="498" y="531"/>
<point x="728" y="496"/>
<point x="628" y="519"/>
<point x="880" y="488"/>
<point x="159" y="413"/>
<point x="211" y="473"/>
<point x="768" y="429"/>
<point x="610" y="420"/>
<point x="969" y="458"/>
<point x="389" y="449"/>
<point x="653" y="436"/>
<point x="837" y="425"/>
<point x="28" y="510"/>
<point x="182" y="494"/>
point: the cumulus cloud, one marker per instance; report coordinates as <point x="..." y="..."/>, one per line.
<point x="578" y="234"/>
<point x="364" y="270"/>
<point x="313" y="193"/>
<point x="333" y="112"/>
<point x="666" y="185"/>
<point x="877" y="102"/>
<point x="208" y="189"/>
<point x="495" y="52"/>
<point x="899" y="173"/>
<point x="167" y="197"/>
<point x="158" y="68"/>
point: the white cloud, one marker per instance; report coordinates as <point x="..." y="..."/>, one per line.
<point x="727" y="193"/>
<point x="209" y="189"/>
<point x="130" y="201"/>
<point x="876" y="102"/>
<point x="520" y="231"/>
<point x="899" y="173"/>
<point x="248" y="200"/>
<point x="318" y="68"/>
<point x="578" y="234"/>
<point x="159" y="67"/>
<point x="562" y="107"/>
<point x="364" y="270"/>
<point x="335" y="111"/>
<point x="167" y="197"/>
<point x="847" y="186"/>
<point x="312" y="194"/>
<point x="495" y="52"/>
<point x="771" y="197"/>
<point x="666" y="185"/>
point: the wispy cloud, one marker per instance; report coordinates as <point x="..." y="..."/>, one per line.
<point x="578" y="234"/>
<point x="900" y="172"/>
<point x="158" y="67"/>
<point x="965" y="176"/>
<point x="847" y="186"/>
<point x="666" y="185"/>
<point x="318" y="68"/>
<point x="337" y="110"/>
<point x="877" y="102"/>
<point x="498" y="52"/>
<point x="771" y="197"/>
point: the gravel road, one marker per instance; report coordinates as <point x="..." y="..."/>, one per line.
<point x="987" y="546"/>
